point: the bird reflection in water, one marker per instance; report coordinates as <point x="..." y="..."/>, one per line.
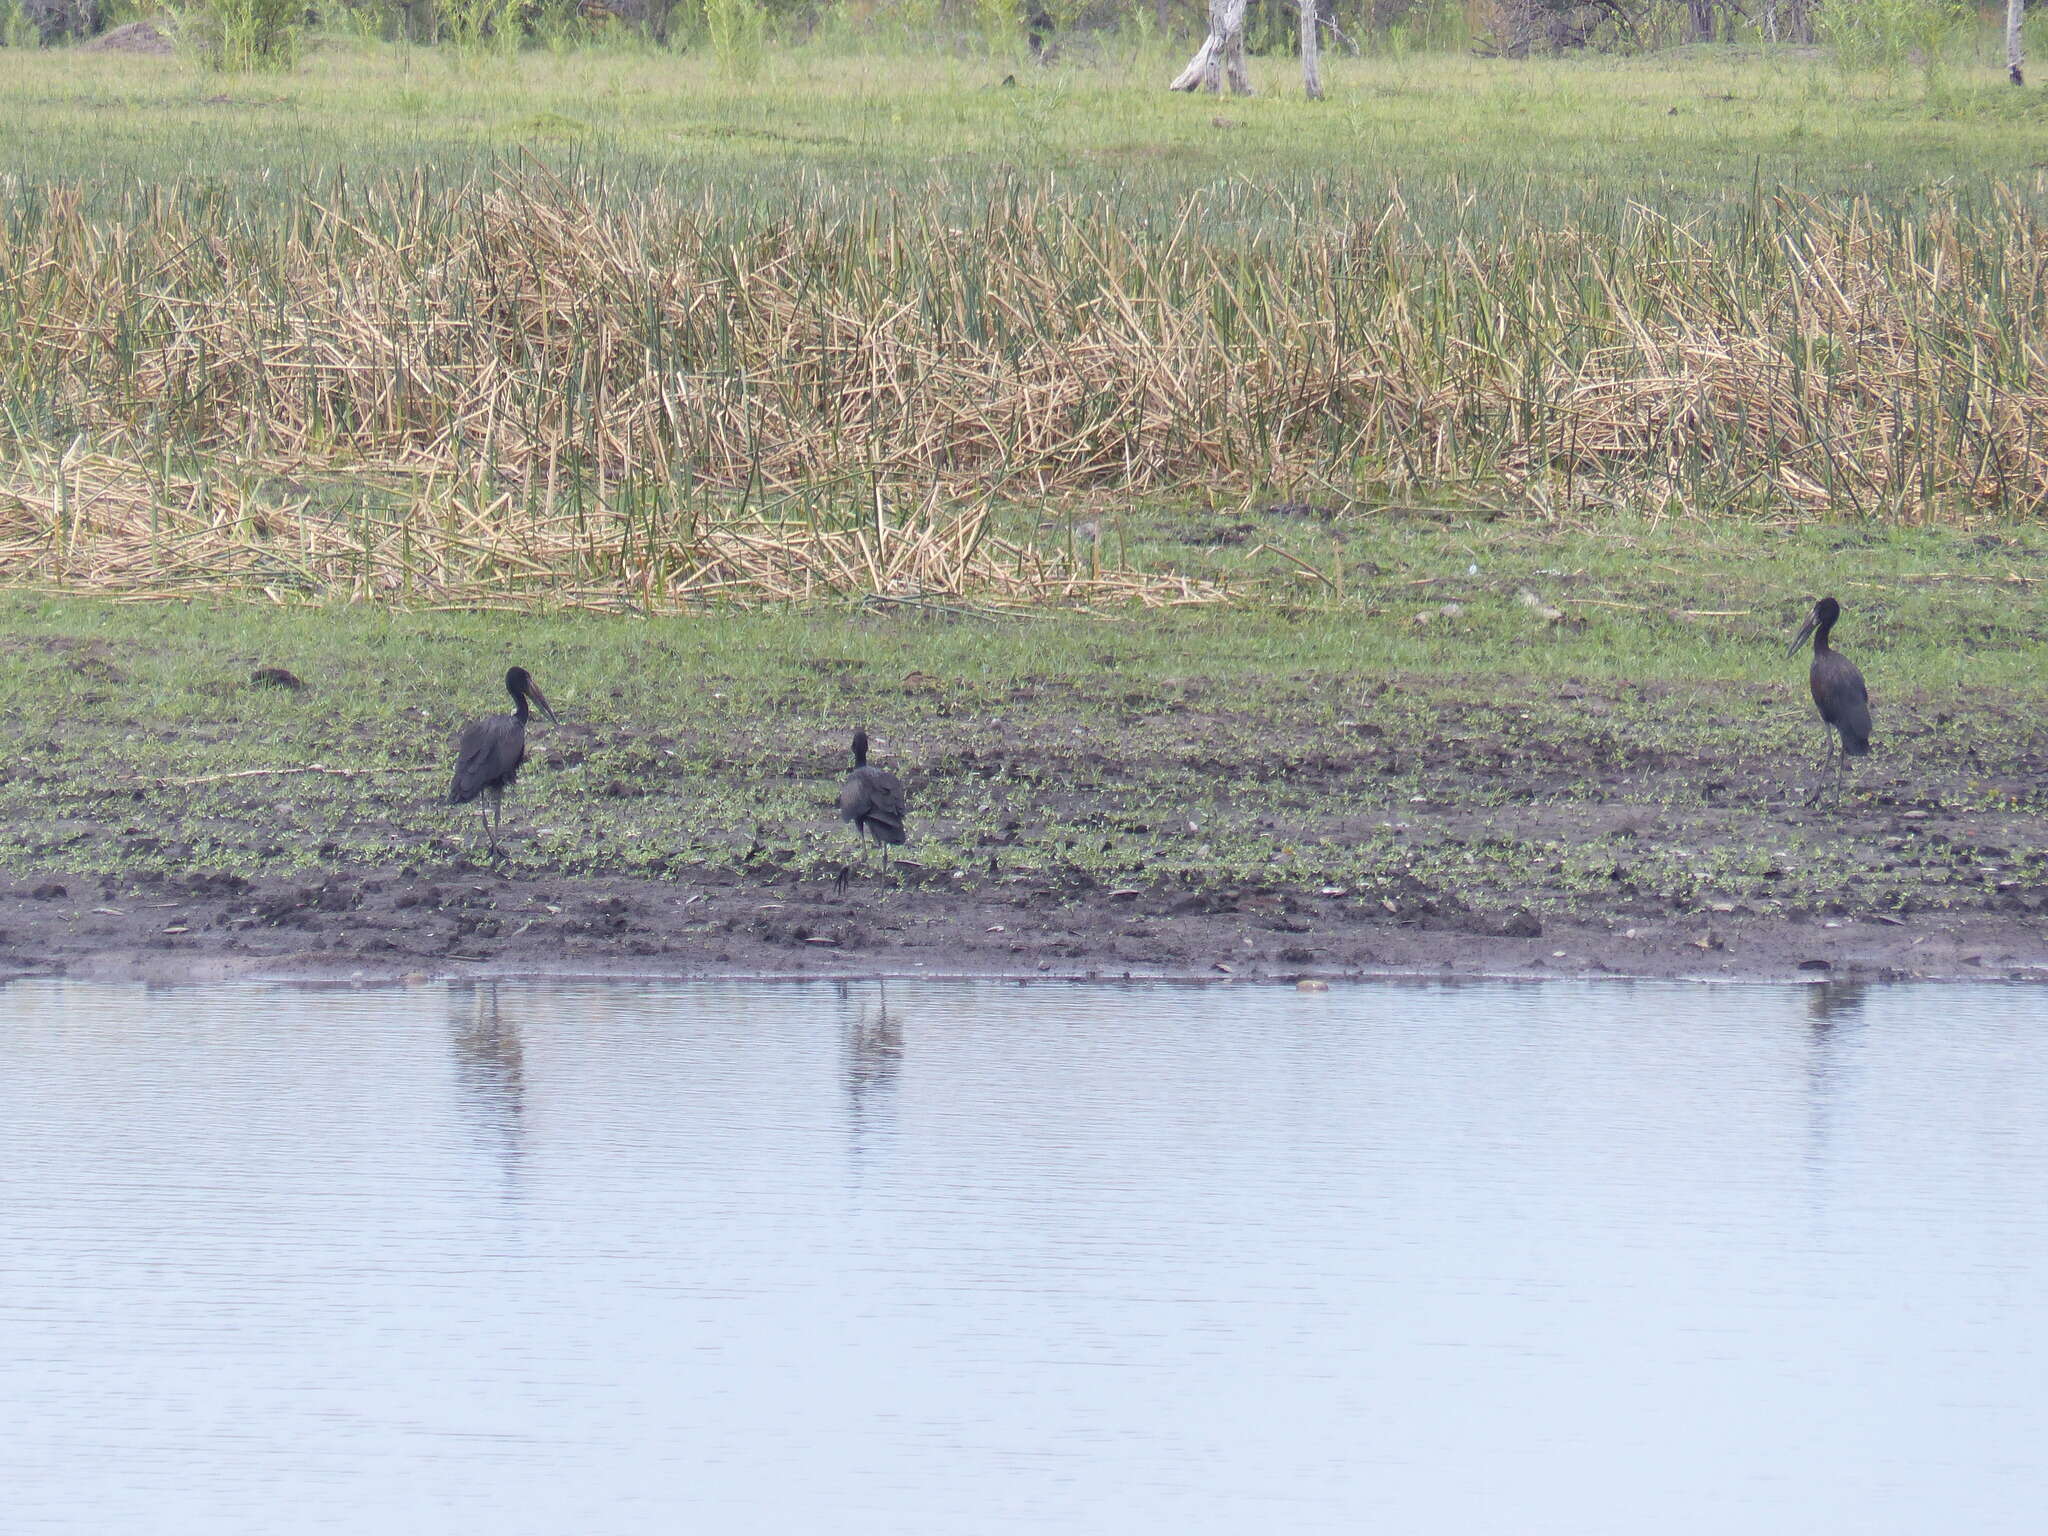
<point x="490" y="1065"/>
<point x="1832" y="1003"/>
<point x="874" y="1057"/>
<point x="1829" y="1006"/>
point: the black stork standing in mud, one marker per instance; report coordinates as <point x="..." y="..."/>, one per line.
<point x="1838" y="691"/>
<point x="871" y="802"/>
<point x="491" y="750"/>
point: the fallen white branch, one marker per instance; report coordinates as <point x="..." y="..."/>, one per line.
<point x="274" y="773"/>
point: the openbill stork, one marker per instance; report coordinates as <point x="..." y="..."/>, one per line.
<point x="871" y="802"/>
<point x="491" y="750"/>
<point x="1838" y="691"/>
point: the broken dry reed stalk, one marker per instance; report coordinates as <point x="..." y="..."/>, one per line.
<point x="281" y="773"/>
<point x="554" y="347"/>
<point x="89" y="522"/>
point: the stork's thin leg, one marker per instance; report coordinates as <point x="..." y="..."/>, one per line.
<point x="484" y="816"/>
<point x="845" y="874"/>
<point x="1827" y="764"/>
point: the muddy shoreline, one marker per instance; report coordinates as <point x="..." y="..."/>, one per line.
<point x="468" y="921"/>
<point x="1249" y="796"/>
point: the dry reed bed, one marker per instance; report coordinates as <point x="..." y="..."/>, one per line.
<point x="87" y="522"/>
<point x="532" y="334"/>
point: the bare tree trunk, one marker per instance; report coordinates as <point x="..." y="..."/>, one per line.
<point x="1222" y="52"/>
<point x="1163" y="11"/>
<point x="1311" y="49"/>
<point x="1233" y="50"/>
<point x="2015" y="61"/>
<point x="1702" y="14"/>
<point x="1771" y="19"/>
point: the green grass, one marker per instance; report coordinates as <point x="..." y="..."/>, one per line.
<point x="1468" y="141"/>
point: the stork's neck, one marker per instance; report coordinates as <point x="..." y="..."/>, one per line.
<point x="1820" y="636"/>
<point x="519" y="707"/>
<point x="860" y="754"/>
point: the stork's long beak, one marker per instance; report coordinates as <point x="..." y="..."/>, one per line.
<point x="1804" y="630"/>
<point x="533" y="692"/>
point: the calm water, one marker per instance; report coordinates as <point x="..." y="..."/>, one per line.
<point x="975" y="1258"/>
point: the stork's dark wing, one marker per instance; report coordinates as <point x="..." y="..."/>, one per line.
<point x="872" y="798"/>
<point x="1844" y="701"/>
<point x="489" y="752"/>
<point x="885" y="803"/>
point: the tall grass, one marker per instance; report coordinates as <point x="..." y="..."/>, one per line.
<point x="1812" y="355"/>
<point x="1888" y="35"/>
<point x="235" y="36"/>
<point x="480" y="26"/>
<point x="738" y="33"/>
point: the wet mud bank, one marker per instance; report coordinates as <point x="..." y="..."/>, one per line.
<point x="467" y="920"/>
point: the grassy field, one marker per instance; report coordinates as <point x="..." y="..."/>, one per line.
<point x="1414" y="491"/>
<point x="1468" y="140"/>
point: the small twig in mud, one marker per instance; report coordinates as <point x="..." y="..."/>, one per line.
<point x="1296" y="561"/>
<point x="266" y="773"/>
<point x="1415" y="509"/>
<point x="926" y="605"/>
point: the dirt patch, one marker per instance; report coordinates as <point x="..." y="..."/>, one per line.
<point x="134" y="37"/>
